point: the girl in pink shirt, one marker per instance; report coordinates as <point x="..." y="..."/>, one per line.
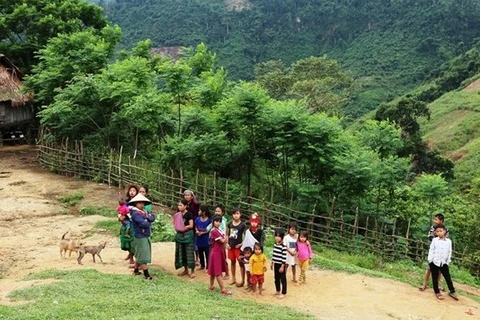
<point x="304" y="255"/>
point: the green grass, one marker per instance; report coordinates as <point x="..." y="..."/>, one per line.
<point x="454" y="129"/>
<point x="71" y="199"/>
<point x="112" y="227"/>
<point x="101" y="211"/>
<point x="88" y="294"/>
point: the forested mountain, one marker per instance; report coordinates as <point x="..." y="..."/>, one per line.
<point x="390" y="46"/>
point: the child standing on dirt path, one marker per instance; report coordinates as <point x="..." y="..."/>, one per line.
<point x="304" y="255"/>
<point x="245" y="260"/>
<point x="258" y="267"/>
<point x="437" y="219"/>
<point x="290" y="242"/>
<point x="279" y="259"/>
<point x="254" y="234"/>
<point x="217" y="263"/>
<point x="201" y="240"/>
<point x="439" y="257"/>
<point x="235" y="233"/>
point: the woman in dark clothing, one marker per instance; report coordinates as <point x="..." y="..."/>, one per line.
<point x="142" y="226"/>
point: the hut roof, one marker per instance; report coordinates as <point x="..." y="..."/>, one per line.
<point x="10" y="83"/>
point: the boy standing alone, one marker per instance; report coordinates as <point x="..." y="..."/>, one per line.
<point x="439" y="257"/>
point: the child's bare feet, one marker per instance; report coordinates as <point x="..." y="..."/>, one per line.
<point x="281" y="296"/>
<point x="277" y="293"/>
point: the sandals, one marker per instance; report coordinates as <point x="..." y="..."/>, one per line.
<point x="439" y="296"/>
<point x="183" y="273"/>
<point x="192" y="275"/>
<point x="422" y="287"/>
<point x="232" y="282"/>
<point x="211" y="288"/>
<point x="453" y="295"/>
<point x="226" y="292"/>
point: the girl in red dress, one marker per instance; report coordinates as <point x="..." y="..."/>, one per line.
<point x="217" y="263"/>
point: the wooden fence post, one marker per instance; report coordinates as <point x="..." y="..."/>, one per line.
<point x="407" y="234"/>
<point x="120" y="167"/>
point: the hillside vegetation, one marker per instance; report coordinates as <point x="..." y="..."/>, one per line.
<point x="391" y="46"/>
<point x="454" y="130"/>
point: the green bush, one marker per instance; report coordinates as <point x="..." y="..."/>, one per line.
<point x="162" y="228"/>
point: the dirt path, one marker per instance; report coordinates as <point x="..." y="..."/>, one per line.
<point x="31" y="223"/>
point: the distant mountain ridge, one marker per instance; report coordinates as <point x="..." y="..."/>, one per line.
<point x="391" y="46"/>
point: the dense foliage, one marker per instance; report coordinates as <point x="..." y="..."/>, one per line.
<point x="390" y="45"/>
<point x="27" y="25"/>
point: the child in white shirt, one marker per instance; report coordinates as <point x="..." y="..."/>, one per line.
<point x="439" y="257"/>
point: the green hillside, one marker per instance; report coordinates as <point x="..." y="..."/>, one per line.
<point x="390" y="46"/>
<point x="454" y="129"/>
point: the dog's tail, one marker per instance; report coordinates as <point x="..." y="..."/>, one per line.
<point x="63" y="237"/>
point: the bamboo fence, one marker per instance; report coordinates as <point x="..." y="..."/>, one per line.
<point x="363" y="236"/>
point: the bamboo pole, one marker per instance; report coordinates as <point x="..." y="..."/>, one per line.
<point x="120" y="167"/>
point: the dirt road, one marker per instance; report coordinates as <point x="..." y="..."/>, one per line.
<point x="32" y="222"/>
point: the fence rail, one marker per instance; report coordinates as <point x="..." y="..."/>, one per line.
<point x="115" y="168"/>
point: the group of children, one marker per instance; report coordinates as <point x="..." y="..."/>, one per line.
<point x="208" y="242"/>
<point x="211" y="241"/>
<point x="245" y="246"/>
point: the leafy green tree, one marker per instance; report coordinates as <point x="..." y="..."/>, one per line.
<point x="317" y="80"/>
<point x="240" y="117"/>
<point x="430" y="188"/>
<point x="68" y="56"/>
<point x="121" y="105"/>
<point x="274" y="76"/>
<point x="381" y="137"/>
<point x="200" y="59"/>
<point x="26" y="26"/>
<point x="177" y="78"/>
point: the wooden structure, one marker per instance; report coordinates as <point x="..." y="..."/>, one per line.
<point x="15" y="107"/>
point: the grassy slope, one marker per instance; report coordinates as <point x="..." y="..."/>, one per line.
<point x="454" y="129"/>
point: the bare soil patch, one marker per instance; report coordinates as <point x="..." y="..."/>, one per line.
<point x="32" y="222"/>
<point x="472" y="87"/>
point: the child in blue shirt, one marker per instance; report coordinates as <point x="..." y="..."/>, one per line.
<point x="202" y="240"/>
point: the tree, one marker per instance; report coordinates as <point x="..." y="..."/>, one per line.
<point x="27" y="25"/>
<point x="240" y="117"/>
<point x="317" y="80"/>
<point x="381" y="137"/>
<point x="70" y="55"/>
<point x="177" y="76"/>
<point x="431" y="188"/>
<point x="120" y="105"/>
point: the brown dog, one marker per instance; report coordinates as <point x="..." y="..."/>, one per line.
<point x="94" y="250"/>
<point x="69" y="245"/>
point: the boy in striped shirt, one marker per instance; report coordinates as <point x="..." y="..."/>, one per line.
<point x="279" y="259"/>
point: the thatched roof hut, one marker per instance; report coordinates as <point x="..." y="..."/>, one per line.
<point x="10" y="84"/>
